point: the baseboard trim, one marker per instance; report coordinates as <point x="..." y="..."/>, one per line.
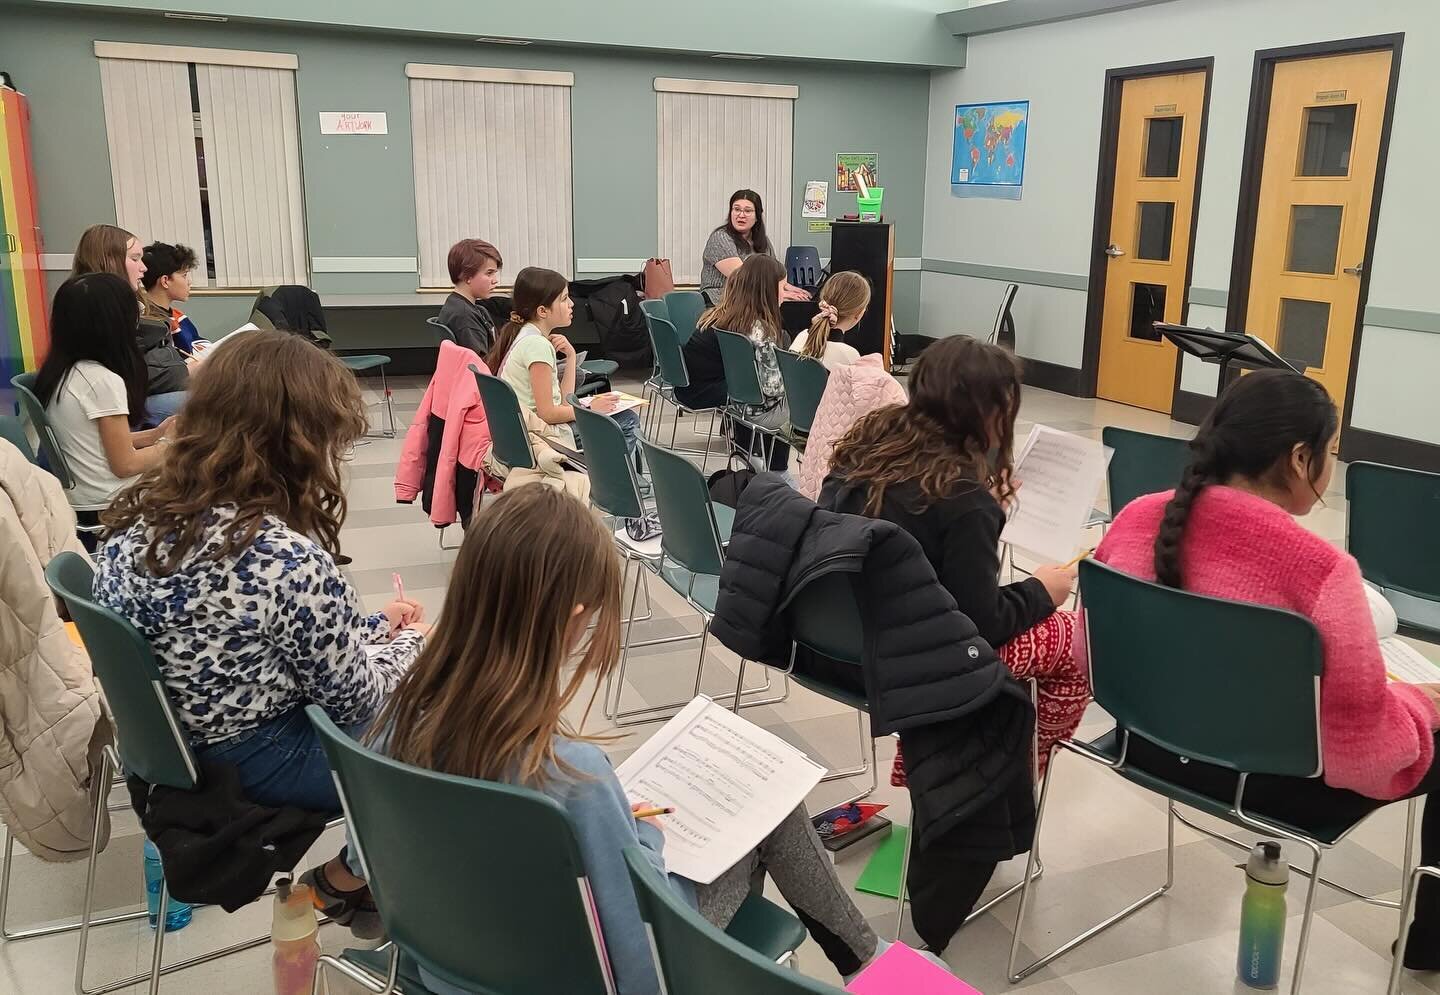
<point x="1053" y="376"/>
<point x="1378" y="447"/>
<point x="1191" y="408"/>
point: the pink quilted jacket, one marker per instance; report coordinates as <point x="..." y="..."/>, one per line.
<point x="454" y="396"/>
<point x="852" y="392"/>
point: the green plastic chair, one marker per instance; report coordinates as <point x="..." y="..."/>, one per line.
<point x="671" y="373"/>
<point x="496" y="890"/>
<point x="655" y="306"/>
<point x="149" y="743"/>
<point x="684" y="308"/>
<point x="375" y="361"/>
<point x="12" y="430"/>
<point x="1142" y="464"/>
<point x="1393" y="529"/>
<point x="508" y="437"/>
<point x="742" y="382"/>
<point x="805" y="381"/>
<point x="698" y="959"/>
<point x="441" y="329"/>
<point x="693" y="533"/>
<point x="24" y="384"/>
<point x="1240" y="690"/>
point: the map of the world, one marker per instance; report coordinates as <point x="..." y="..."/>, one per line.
<point x="990" y="144"/>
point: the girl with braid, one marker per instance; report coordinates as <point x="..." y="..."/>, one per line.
<point x="1264" y="457"/>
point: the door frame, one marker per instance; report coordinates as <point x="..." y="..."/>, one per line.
<point x="1115" y="80"/>
<point x="1248" y="208"/>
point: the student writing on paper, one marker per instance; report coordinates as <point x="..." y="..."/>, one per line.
<point x="939" y="468"/>
<point x="1263" y="456"/>
<point x="223" y="558"/>
<point x="488" y="696"/>
<point x="527" y="353"/>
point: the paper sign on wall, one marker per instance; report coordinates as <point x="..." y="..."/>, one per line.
<point x="353" y="123"/>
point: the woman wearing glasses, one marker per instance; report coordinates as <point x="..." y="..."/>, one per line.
<point x="742" y="234"/>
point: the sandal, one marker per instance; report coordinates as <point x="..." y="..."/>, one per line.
<point x="355" y="909"/>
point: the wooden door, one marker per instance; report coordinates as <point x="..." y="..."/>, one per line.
<point x="1157" y="159"/>
<point x="1317" y="183"/>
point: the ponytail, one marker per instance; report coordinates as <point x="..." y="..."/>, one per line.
<point x="845" y="295"/>
<point x="1250" y="434"/>
<point x="504" y="339"/>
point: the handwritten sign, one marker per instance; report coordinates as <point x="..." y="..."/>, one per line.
<point x="353" y="123"/>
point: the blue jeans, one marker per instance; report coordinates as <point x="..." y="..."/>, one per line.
<point x="282" y="763"/>
<point x="629" y="423"/>
<point x="158" y="407"/>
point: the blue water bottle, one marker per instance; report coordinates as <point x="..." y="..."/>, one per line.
<point x="177" y="914"/>
<point x="1262" y="917"/>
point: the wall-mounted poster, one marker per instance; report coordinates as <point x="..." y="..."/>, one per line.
<point x="847" y="164"/>
<point x="816" y="196"/>
<point x="989" y="155"/>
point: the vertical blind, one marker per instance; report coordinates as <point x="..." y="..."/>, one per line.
<point x="252" y="164"/>
<point x="492" y="161"/>
<point x="152" y="152"/>
<point x="710" y="145"/>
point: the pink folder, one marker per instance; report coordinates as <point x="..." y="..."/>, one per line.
<point x="901" y="971"/>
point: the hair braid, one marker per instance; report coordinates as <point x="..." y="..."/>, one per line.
<point x="1198" y="475"/>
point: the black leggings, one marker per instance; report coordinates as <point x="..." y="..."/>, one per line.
<point x="715" y="395"/>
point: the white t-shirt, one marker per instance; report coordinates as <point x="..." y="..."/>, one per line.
<point x="89" y="391"/>
<point x="837" y="354"/>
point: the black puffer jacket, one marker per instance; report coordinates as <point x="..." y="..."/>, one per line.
<point x="165" y="367"/>
<point x="964" y="722"/>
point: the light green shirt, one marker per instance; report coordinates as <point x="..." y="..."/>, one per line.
<point x="532" y="347"/>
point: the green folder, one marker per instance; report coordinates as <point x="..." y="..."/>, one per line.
<point x="881" y="875"/>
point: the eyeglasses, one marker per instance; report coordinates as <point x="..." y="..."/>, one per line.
<point x="742" y="210"/>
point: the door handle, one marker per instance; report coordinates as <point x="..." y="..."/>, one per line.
<point x="11" y="245"/>
<point x="1355" y="270"/>
<point x="1114" y="251"/>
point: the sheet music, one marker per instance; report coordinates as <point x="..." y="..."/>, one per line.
<point x="730" y="782"/>
<point x="1406" y="664"/>
<point x="1062" y="475"/>
<point x="1382" y="612"/>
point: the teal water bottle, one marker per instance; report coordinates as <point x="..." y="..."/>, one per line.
<point x="177" y="914"/>
<point x="1262" y="917"/>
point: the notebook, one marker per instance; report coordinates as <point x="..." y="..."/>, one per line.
<point x="1403" y="662"/>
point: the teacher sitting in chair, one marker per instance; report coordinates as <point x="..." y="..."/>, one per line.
<point x="742" y="234"/>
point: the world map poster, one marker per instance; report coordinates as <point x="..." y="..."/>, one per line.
<point x="989" y="155"/>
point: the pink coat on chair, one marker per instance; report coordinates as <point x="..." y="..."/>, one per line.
<point x="454" y="396"/>
<point x="852" y="392"/>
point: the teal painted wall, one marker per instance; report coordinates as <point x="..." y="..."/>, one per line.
<point x="359" y="191"/>
<point x="897" y="32"/>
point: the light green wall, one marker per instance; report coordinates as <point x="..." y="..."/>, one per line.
<point x="895" y="32"/>
<point x="359" y="192"/>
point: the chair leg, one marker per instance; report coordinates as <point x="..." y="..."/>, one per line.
<point x="1308" y="917"/>
<point x="1030" y="862"/>
<point x="389" y="403"/>
<point x="904" y="873"/>
<point x="709" y="436"/>
<point x="1407" y="908"/>
<point x="157" y="956"/>
<point x="358" y="974"/>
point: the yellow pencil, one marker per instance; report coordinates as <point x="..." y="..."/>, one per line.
<point x="650" y="813"/>
<point x="1078" y="559"/>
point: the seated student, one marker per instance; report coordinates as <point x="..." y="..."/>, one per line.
<point x="166" y="283"/>
<point x="92" y="384"/>
<point x="487" y="699"/>
<point x="750" y="306"/>
<point x="474" y="270"/>
<point x="527" y="350"/>
<point x="223" y="557"/>
<point x="939" y="467"/>
<point x="107" y="249"/>
<point x="843" y="301"/>
<point x="1264" y="455"/>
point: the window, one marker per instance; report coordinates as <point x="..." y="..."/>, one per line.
<point x="227" y="176"/>
<point x="492" y="161"/>
<point x="715" y="138"/>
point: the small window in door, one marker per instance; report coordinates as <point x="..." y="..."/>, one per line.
<point x="1304" y="328"/>
<point x="1326" y="139"/>
<point x="1162" y="146"/>
<point x="1147" y="306"/>
<point x="1157" y="224"/>
<point x="1314" y="238"/>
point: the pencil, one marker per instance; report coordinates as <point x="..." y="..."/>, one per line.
<point x="399" y="586"/>
<point x="650" y="813"/>
<point x="1077" y="559"/>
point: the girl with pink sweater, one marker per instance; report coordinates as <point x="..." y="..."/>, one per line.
<point x="1264" y="455"/>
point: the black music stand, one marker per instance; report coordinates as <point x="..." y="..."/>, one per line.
<point x="1224" y="348"/>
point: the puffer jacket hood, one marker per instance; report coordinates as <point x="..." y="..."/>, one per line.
<point x="964" y="722"/>
<point x="52" y="727"/>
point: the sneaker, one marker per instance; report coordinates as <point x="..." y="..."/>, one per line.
<point x="355" y="909"/>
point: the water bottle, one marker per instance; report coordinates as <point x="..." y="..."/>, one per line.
<point x="295" y="938"/>
<point x="177" y="914"/>
<point x="1262" y="917"/>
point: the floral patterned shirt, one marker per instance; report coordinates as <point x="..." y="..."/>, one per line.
<point x="245" y="639"/>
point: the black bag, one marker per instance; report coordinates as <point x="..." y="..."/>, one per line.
<point x="728" y="484"/>
<point x="612" y="306"/>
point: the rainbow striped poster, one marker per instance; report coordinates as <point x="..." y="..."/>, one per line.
<point x="24" y="335"/>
